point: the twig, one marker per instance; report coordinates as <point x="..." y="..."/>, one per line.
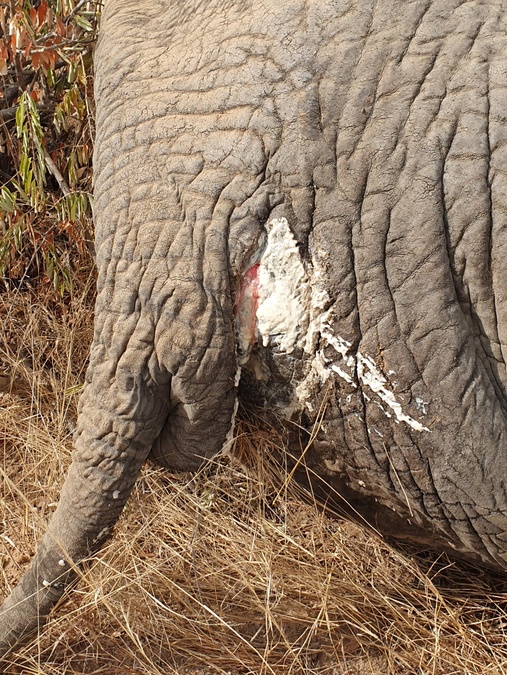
<point x="56" y="173"/>
<point x="18" y="63"/>
<point x="75" y="11"/>
<point x="8" y="114"/>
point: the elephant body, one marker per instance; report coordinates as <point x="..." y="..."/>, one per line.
<point x="303" y="201"/>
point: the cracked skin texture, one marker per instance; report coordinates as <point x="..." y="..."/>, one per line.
<point x="378" y="130"/>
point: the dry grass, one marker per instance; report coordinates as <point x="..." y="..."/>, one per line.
<point x="228" y="571"/>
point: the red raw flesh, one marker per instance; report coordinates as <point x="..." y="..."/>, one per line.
<point x="247" y="301"/>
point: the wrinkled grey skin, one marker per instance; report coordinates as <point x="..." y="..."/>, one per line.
<point x="377" y="128"/>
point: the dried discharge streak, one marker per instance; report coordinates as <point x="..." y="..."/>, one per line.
<point x="282" y="304"/>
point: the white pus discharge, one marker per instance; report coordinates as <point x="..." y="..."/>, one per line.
<point x="371" y="376"/>
<point x="288" y="307"/>
<point x="351" y="366"/>
<point x="284" y="290"/>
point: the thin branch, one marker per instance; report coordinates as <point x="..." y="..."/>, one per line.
<point x="53" y="169"/>
<point x="18" y="63"/>
<point x="8" y="114"/>
<point x="75" y="11"/>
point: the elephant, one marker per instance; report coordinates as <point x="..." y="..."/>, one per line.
<point x="302" y="205"/>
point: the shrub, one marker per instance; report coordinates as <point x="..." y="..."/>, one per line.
<point x="46" y="118"/>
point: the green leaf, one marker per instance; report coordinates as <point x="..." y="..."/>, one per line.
<point x="20" y="116"/>
<point x="72" y="74"/>
<point x="7" y="200"/>
<point x="83" y="23"/>
<point x="17" y="235"/>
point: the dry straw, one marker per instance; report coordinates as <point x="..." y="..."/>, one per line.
<point x="233" y="570"/>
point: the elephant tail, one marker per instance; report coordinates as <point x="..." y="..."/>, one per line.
<point x="110" y="446"/>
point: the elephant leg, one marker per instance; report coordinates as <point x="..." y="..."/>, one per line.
<point x="144" y="375"/>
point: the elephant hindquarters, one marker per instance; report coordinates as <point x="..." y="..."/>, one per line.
<point x="406" y="421"/>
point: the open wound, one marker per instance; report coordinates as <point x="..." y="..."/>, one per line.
<point x="282" y="306"/>
<point x="274" y="297"/>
